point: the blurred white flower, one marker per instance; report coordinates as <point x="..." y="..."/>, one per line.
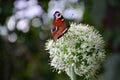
<point x="12" y="37"/>
<point x="71" y="9"/>
<point x="81" y="47"/>
<point x="3" y="30"/>
<point x="23" y="25"/>
<point x="11" y="23"/>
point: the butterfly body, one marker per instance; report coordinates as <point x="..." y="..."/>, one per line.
<point x="60" y="27"/>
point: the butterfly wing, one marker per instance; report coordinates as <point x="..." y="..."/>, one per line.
<point x="59" y="26"/>
<point x="58" y="32"/>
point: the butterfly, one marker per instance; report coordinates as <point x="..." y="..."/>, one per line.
<point x="60" y="27"/>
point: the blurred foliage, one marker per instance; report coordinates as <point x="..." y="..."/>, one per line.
<point x="26" y="59"/>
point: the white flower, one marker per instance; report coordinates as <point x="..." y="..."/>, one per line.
<point x="81" y="47"/>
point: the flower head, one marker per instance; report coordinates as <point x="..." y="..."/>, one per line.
<point x="81" y="47"/>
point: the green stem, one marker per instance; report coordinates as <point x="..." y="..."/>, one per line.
<point x="73" y="76"/>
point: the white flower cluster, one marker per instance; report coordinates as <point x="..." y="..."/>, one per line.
<point x="81" y="47"/>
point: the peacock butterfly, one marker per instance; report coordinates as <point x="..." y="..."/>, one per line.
<point x="60" y="27"/>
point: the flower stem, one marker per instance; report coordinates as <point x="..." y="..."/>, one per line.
<point x="73" y="76"/>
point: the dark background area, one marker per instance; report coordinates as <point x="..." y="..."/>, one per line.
<point x="23" y="55"/>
